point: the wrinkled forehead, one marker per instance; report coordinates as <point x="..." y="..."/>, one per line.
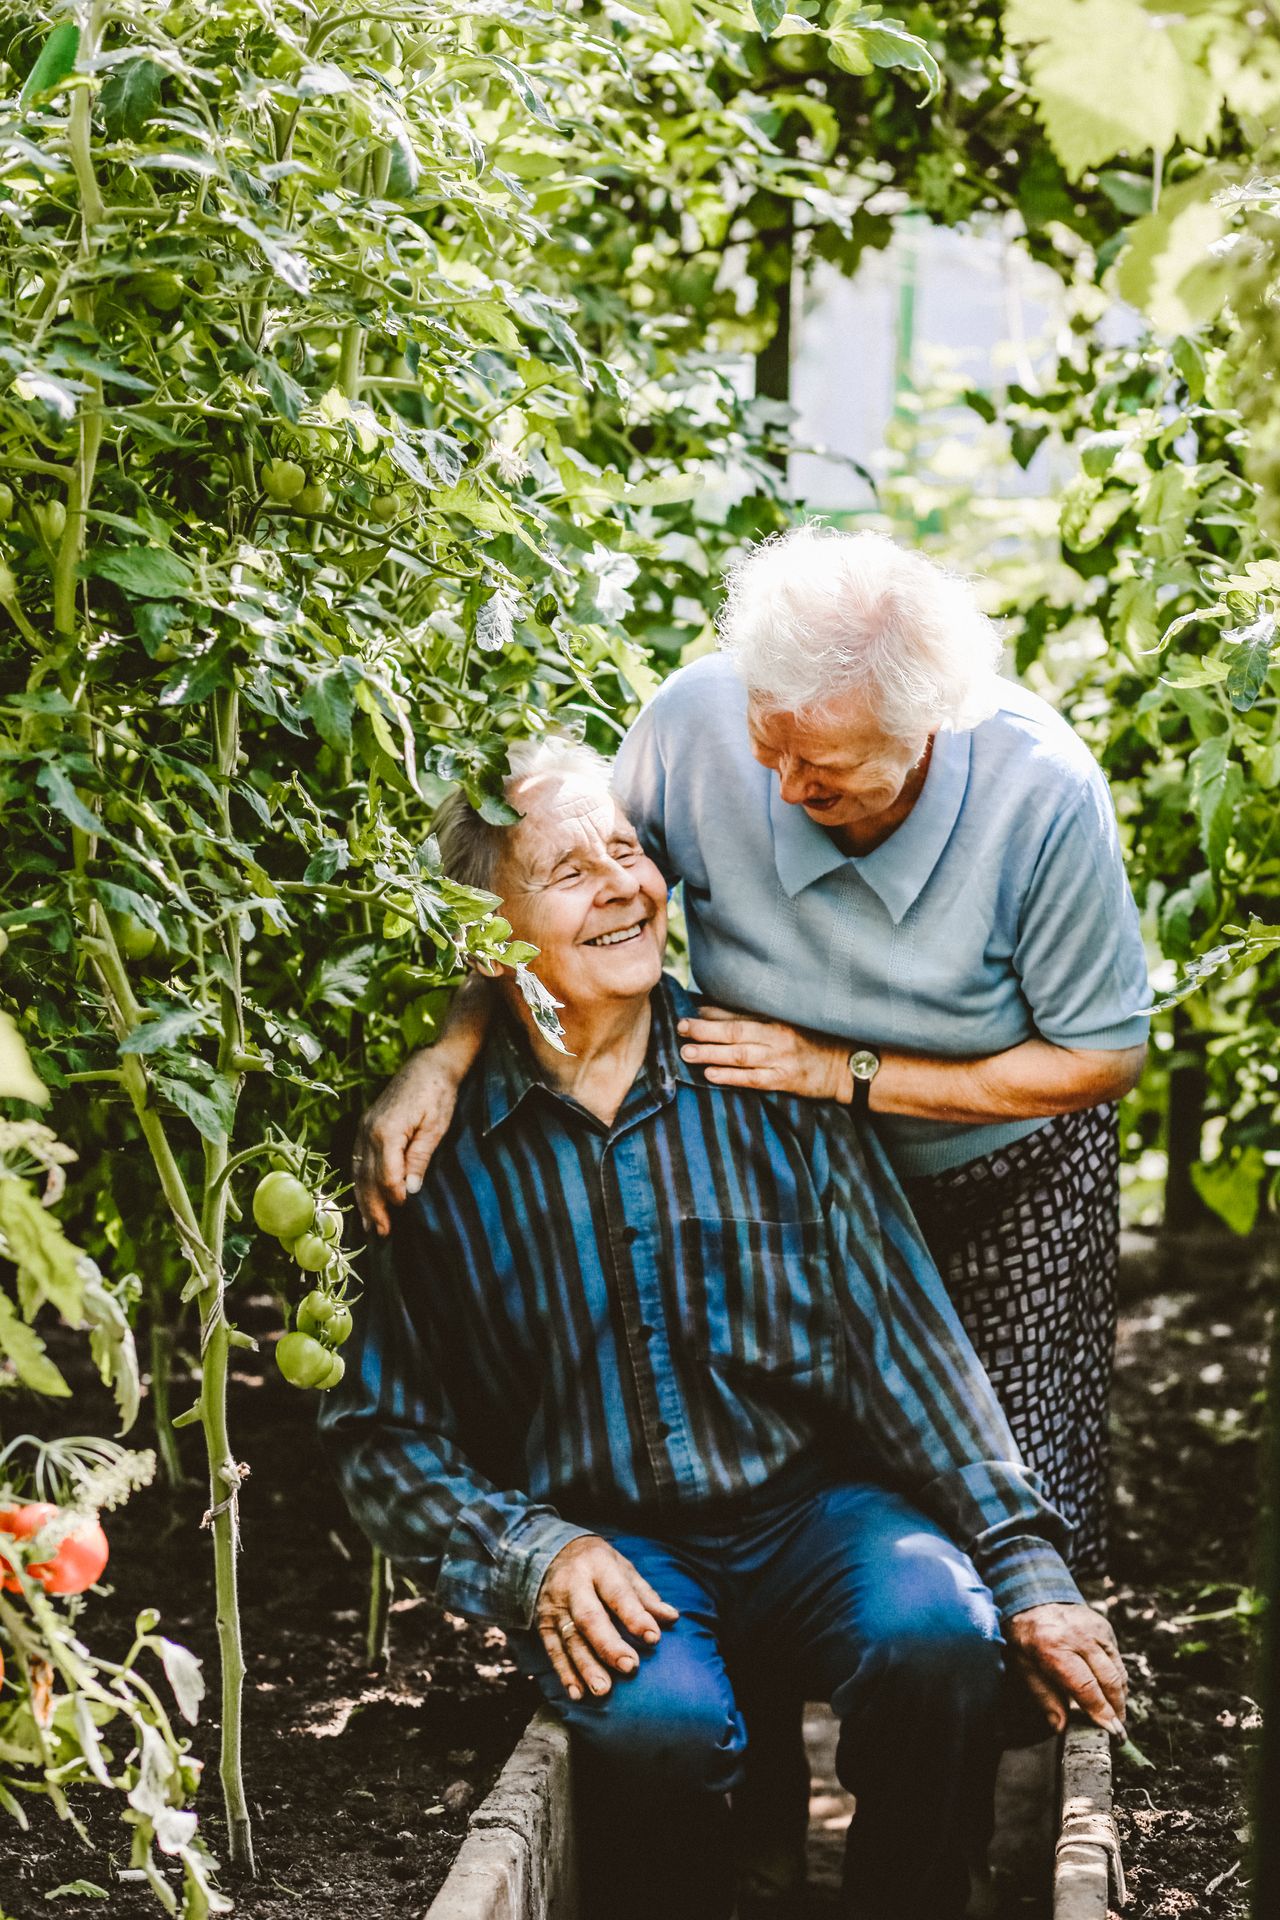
<point x="562" y="813"/>
<point x="845" y="719"/>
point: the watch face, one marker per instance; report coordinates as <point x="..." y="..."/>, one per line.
<point x="864" y="1065"/>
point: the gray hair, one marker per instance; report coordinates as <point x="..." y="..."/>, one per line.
<point x="814" y="613"/>
<point x="470" y="846"/>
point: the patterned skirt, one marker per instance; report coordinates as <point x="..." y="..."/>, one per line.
<point x="1027" y="1240"/>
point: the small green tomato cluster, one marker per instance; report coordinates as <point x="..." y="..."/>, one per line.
<point x="311" y="1230"/>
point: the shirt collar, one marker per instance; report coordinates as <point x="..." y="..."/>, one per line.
<point x="899" y="868"/>
<point x="511" y="1072"/>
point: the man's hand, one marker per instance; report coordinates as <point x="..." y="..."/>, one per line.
<point x="1068" y="1652"/>
<point x="740" y="1052"/>
<point x="399" y="1134"/>
<point x="586" y="1580"/>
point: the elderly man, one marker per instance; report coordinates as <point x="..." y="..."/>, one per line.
<point x="660" y="1377"/>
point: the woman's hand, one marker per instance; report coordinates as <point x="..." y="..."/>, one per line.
<point x="399" y="1134"/>
<point x="740" y="1052"/>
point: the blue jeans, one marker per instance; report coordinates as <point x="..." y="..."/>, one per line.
<point x="846" y="1594"/>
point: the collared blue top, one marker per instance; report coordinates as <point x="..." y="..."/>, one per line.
<point x="998" y="911"/>
<point x="718" y="1295"/>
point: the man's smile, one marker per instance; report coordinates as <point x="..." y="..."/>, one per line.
<point x="618" y="936"/>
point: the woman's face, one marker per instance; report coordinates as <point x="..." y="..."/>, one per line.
<point x="835" y="761"/>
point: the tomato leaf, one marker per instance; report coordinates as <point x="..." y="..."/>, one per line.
<point x="24" y="1348"/>
<point x="769" y="15"/>
<point x="1250" y="660"/>
<point x="56" y="61"/>
<point x="151" y="572"/>
<point x="162" y="1030"/>
<point x="185" y="1676"/>
<point x="130" y="95"/>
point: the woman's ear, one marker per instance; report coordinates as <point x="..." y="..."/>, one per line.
<point x="490" y="969"/>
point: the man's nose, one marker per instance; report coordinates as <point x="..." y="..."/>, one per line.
<point x="619" y="882"/>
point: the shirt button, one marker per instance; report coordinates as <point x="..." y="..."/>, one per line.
<point x="630" y="1235"/>
<point x="662" y="1430"/>
<point x="647" y="1333"/>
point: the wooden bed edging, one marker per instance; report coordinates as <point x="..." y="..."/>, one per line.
<point x="518" y="1859"/>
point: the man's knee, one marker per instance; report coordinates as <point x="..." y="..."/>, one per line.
<point x="946" y="1666"/>
<point x="684" y="1734"/>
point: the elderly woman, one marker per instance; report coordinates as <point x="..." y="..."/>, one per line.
<point x="902" y="875"/>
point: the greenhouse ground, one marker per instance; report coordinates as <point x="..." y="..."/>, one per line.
<point x="361" y="1783"/>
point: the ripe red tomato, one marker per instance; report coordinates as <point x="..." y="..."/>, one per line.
<point x="78" y="1562"/>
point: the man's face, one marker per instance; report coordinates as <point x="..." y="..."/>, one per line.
<point x="576" y="884"/>
<point x="836" y="761"/>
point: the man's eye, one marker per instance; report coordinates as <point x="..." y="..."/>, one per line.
<point x="625" y="855"/>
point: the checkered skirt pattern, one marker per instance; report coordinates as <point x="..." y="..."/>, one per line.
<point x="1027" y="1240"/>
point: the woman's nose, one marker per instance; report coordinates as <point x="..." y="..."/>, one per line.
<point x="792" y="783"/>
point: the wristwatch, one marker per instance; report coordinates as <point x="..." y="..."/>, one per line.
<point x="864" y="1066"/>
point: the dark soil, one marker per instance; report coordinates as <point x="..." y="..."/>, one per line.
<point x="346" y="1770"/>
<point x="1191" y="1371"/>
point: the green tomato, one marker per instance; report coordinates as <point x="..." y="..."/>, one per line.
<point x="303" y="1361"/>
<point x="329" y="1222"/>
<point x="205" y="275"/>
<point x="4" y="941"/>
<point x="283" y="1206"/>
<point x="51" y="518"/>
<point x="135" y="939"/>
<point x="311" y="1252"/>
<point x="384" y="507"/>
<point x="313" y="498"/>
<point x="8" y="584"/>
<point x="338" y="1327"/>
<point x="6" y="502"/>
<point x="337" y="1367"/>
<point x="324" y="1318"/>
<point x="283" y="480"/>
<point x="162" y="291"/>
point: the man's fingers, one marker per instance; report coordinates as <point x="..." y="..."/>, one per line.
<point x="560" y="1662"/>
<point x="1108" y="1671"/>
<point x="1078" y="1679"/>
<point x="602" y="1635"/>
<point x="578" y="1648"/>
<point x="740" y="1076"/>
<point x="1046" y="1697"/>
<point x="621" y="1595"/>
<point x="741" y="1055"/>
<point x="661" y="1609"/>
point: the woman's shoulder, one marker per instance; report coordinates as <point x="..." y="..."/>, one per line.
<point x="1028" y="742"/>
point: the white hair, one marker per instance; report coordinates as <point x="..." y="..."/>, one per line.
<point x="469" y="844"/>
<point x="814" y="613"/>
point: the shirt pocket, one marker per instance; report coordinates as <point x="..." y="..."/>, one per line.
<point x="759" y="1300"/>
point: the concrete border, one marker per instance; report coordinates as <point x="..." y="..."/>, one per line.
<point x="1088" y="1852"/>
<point x="518" y="1861"/>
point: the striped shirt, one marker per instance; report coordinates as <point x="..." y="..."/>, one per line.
<point x="649" y="1322"/>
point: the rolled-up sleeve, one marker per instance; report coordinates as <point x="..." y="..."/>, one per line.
<point x="1079" y="954"/>
<point x="392" y="1434"/>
